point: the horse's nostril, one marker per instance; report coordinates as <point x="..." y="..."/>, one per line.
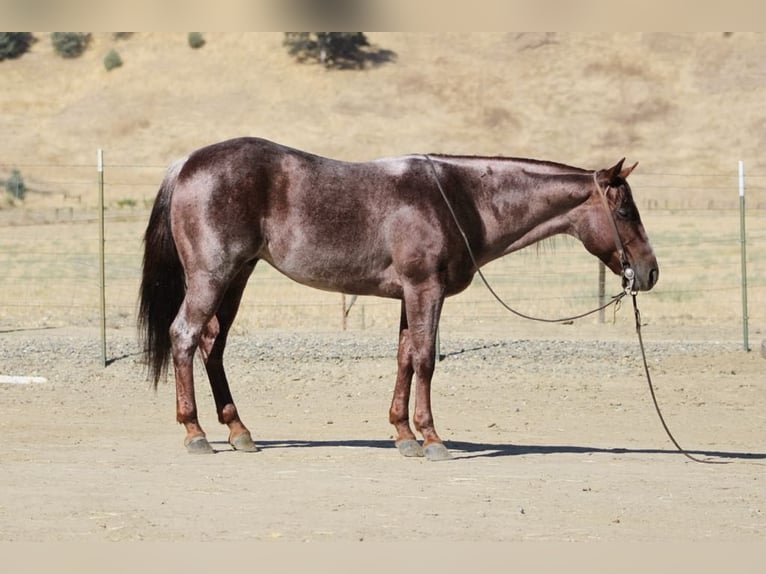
<point x="654" y="275"/>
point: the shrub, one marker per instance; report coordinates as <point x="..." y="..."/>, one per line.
<point x="15" y="184"/>
<point x="332" y="49"/>
<point x="112" y="60"/>
<point x="196" y="40"/>
<point x="14" y="44"/>
<point x="70" y="44"/>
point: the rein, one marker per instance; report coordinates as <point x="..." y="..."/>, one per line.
<point x="628" y="277"/>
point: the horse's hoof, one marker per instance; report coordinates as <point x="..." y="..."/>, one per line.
<point x="244" y="443"/>
<point x="409" y="447"/>
<point x="437" y="451"/>
<point x="198" y="445"/>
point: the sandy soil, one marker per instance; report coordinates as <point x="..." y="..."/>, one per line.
<point x="553" y="436"/>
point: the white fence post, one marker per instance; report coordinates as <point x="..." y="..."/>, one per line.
<point x="102" y="273"/>
<point x="742" y="241"/>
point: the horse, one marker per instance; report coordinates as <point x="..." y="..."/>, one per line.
<point x="414" y="228"/>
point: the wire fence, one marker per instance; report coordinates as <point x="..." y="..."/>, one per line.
<point x="49" y="252"/>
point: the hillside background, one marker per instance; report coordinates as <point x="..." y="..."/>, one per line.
<point x="686" y="106"/>
<point x="677" y="103"/>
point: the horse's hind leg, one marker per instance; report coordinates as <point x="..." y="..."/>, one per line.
<point x="212" y="345"/>
<point x="198" y="307"/>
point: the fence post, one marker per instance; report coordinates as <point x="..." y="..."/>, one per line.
<point x="601" y="290"/>
<point x="102" y="273"/>
<point x="346" y="310"/>
<point x="742" y="241"/>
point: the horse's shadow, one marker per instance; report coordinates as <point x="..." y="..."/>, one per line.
<point x="470" y="450"/>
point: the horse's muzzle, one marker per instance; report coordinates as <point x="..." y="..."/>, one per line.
<point x="644" y="277"/>
<point x="654" y="275"/>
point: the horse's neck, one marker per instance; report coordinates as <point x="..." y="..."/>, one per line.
<point x="529" y="201"/>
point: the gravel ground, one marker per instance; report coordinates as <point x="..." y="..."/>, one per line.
<point x="553" y="437"/>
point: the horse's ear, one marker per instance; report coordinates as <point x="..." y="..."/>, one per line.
<point x="608" y="176"/>
<point x="615" y="171"/>
<point x="625" y="172"/>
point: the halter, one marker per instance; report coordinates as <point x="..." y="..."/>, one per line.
<point x="628" y="275"/>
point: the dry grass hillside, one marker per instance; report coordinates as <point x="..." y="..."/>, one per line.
<point x="678" y="103"/>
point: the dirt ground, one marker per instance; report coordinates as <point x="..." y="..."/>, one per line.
<point x="553" y="435"/>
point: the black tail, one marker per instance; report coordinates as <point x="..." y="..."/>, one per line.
<point x="162" y="281"/>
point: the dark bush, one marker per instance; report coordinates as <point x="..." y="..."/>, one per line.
<point x="112" y="60"/>
<point x="196" y="40"/>
<point x="70" y="44"/>
<point x="15" y="184"/>
<point x="332" y="49"/>
<point x="14" y="44"/>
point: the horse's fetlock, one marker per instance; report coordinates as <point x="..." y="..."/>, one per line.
<point x="228" y="414"/>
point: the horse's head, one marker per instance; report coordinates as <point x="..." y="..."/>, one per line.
<point x="613" y="231"/>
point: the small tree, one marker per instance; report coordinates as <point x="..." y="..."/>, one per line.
<point x="196" y="40"/>
<point x="15" y="184"/>
<point x="332" y="49"/>
<point x="112" y="60"/>
<point x="69" y="44"/>
<point x="14" y="44"/>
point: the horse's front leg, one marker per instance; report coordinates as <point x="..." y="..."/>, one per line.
<point x="425" y="363"/>
<point x="423" y="304"/>
<point x="399" y="413"/>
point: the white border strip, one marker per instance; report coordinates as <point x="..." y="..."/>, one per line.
<point x="21" y="379"/>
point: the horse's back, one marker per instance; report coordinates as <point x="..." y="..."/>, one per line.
<point x="326" y="223"/>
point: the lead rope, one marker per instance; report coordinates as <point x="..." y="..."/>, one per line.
<point x="684" y="452"/>
<point x="628" y="278"/>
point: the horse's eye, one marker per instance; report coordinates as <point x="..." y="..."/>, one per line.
<point x="625" y="212"/>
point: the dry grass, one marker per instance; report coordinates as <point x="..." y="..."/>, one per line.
<point x="675" y="102"/>
<point x="688" y="104"/>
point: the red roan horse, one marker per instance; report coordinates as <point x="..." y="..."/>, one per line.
<point x="380" y="228"/>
